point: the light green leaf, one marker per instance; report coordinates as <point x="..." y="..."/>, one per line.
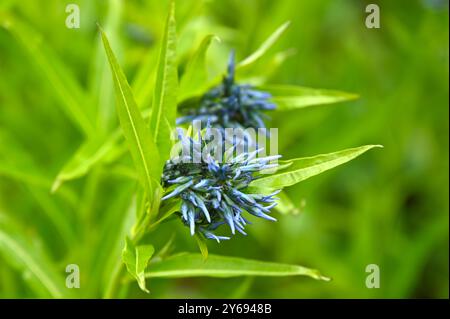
<point x="107" y="150"/>
<point x="101" y="87"/>
<point x="164" y="106"/>
<point x="136" y="259"/>
<point x="89" y="153"/>
<point x="201" y="242"/>
<point x="139" y="138"/>
<point x="107" y="251"/>
<point x="167" y="208"/>
<point x="303" y="168"/>
<point x="265" y="46"/>
<point x="38" y="187"/>
<point x="18" y="165"/>
<point x="70" y="95"/>
<point x="18" y="251"/>
<point x="264" y="74"/>
<point x="144" y="81"/>
<point x="194" y="80"/>
<point x="166" y="250"/>
<point x="286" y="206"/>
<point x="193" y="265"/>
<point x="289" y="97"/>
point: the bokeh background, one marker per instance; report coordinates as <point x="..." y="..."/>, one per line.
<point x="389" y="207"/>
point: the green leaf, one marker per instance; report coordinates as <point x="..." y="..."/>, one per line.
<point x="144" y="81"/>
<point x="193" y="265"/>
<point x="289" y="97"/>
<point x="107" y="251"/>
<point x="101" y="87"/>
<point x="139" y="138"/>
<point x="17" y="164"/>
<point x="89" y="153"/>
<point x="50" y="207"/>
<point x="201" y="242"/>
<point x="194" y="80"/>
<point x="167" y="208"/>
<point x="303" y="168"/>
<point x="164" y="106"/>
<point x="286" y="206"/>
<point x="265" y="46"/>
<point x="18" y="251"/>
<point x="70" y="95"/>
<point x="136" y="259"/>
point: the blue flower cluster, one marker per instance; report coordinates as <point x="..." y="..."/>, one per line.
<point x="231" y="105"/>
<point x="214" y="192"/>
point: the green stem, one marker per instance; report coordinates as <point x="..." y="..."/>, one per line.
<point x="113" y="289"/>
<point x="147" y="225"/>
<point x="114" y="286"/>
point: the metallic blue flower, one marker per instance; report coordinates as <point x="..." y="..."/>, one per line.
<point x="215" y="192"/>
<point x="231" y="105"/>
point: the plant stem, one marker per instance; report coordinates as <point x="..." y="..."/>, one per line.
<point x="120" y="271"/>
<point x="114" y="286"/>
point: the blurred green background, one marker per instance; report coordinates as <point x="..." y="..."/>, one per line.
<point x="390" y="207"/>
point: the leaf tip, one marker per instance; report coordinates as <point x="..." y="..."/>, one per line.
<point x="318" y="276"/>
<point x="6" y="24"/>
<point x="99" y="27"/>
<point x="352" y="96"/>
<point x="375" y="146"/>
<point x="172" y="8"/>
<point x="144" y="288"/>
<point x="56" y="185"/>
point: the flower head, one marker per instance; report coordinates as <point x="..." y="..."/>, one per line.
<point x="215" y="191"/>
<point x="231" y="105"/>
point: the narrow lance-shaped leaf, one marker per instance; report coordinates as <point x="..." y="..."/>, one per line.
<point x="87" y="155"/>
<point x="90" y="153"/>
<point x="271" y="65"/>
<point x="17" y="164"/>
<point x="164" y="106"/>
<point x="107" y="263"/>
<point x="303" y="168"/>
<point x="136" y="259"/>
<point x="243" y="66"/>
<point x="265" y="46"/>
<point x="137" y="134"/>
<point x="38" y="187"/>
<point x="193" y="265"/>
<point x="194" y="80"/>
<point x="285" y="205"/>
<point x="101" y="86"/>
<point x="201" y="242"/>
<point x="289" y="97"/>
<point x="144" y="80"/>
<point x="21" y="254"/>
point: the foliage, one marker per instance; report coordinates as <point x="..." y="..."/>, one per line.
<point x="80" y="184"/>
